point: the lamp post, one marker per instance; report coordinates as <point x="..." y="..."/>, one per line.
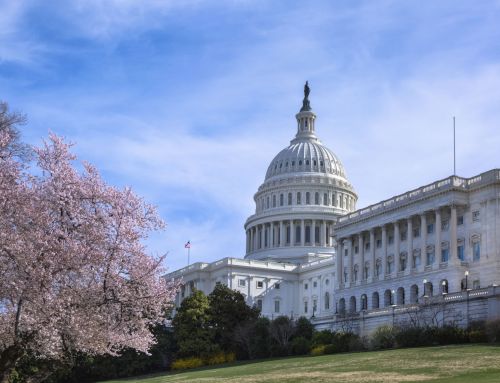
<point x="425" y="288"/>
<point x="467" y="294"/>
<point x="466" y="279"/>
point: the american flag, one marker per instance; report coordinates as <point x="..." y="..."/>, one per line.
<point x="187" y="245"/>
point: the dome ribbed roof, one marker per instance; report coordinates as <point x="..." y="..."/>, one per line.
<point x="305" y="156"/>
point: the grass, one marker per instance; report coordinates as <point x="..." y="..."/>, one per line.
<point x="461" y="364"/>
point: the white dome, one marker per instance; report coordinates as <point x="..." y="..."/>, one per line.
<point x="305" y="156"/>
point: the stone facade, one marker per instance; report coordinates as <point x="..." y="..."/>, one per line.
<point x="309" y="252"/>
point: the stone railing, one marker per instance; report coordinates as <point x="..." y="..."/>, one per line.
<point x="449" y="183"/>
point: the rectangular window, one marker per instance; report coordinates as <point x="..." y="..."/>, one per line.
<point x="475" y="216"/>
<point x="379" y="243"/>
<point x="416" y="232"/>
<point x="476" y="251"/>
<point x="346" y="252"/>
<point x="476" y="285"/>
<point x="460" y="220"/>
<point x="259" y="304"/>
<point x="277" y="286"/>
<point x="416" y="261"/>
<point x="242" y="282"/>
<point x="430" y="228"/>
<point x="306" y="286"/>
<point x="260" y="284"/>
<point x="460" y="252"/>
<point x="315" y="306"/>
<point x="445" y="255"/>
<point x="403" y="236"/>
<point x="276" y="306"/>
<point x="367" y="246"/>
<point x="391" y="240"/>
<point x="445" y="224"/>
<point x="356" y="250"/>
<point x="429" y="258"/>
<point x="305" y="307"/>
<point x="315" y="284"/>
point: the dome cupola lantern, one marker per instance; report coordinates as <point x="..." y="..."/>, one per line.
<point x="305" y="118"/>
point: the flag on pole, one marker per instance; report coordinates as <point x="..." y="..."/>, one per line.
<point x="187" y="245"/>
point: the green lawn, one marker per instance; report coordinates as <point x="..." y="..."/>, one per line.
<point x="470" y="363"/>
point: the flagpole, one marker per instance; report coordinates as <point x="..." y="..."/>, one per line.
<point x="454" y="150"/>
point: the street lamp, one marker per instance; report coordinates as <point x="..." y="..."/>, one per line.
<point x="425" y="288"/>
<point x="393" y="292"/>
<point x="466" y="279"/>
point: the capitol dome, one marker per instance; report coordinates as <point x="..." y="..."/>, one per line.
<point x="305" y="191"/>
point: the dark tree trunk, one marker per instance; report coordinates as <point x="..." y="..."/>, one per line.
<point x="8" y="359"/>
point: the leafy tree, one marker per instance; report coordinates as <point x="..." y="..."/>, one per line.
<point x="75" y="276"/>
<point x="304" y="328"/>
<point x="192" y="329"/>
<point x="227" y="310"/>
<point x="282" y="330"/>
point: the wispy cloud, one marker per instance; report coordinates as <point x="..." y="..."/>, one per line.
<point x="189" y="102"/>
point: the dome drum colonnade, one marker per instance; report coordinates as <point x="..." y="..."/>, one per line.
<point x="303" y="194"/>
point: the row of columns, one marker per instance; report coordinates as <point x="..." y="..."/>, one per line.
<point x="276" y="234"/>
<point x="347" y="244"/>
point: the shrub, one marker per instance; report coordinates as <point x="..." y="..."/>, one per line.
<point x="450" y="335"/>
<point x="187" y="363"/>
<point x="322" y="337"/>
<point x="304" y="328"/>
<point x="409" y="337"/>
<point x="493" y="330"/>
<point x="383" y="337"/>
<point x="318" y="350"/>
<point x="300" y="346"/>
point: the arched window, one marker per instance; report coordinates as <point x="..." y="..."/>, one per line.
<point x="308" y="234"/>
<point x="428" y="289"/>
<point x="274" y="200"/>
<point x="444" y="286"/>
<point x="281" y="199"/>
<point x="316" y="198"/>
<point x="334" y="199"/>
<point x="289" y="198"/>
<point x="388" y="298"/>
<point x="352" y="305"/>
<point x="267" y="203"/>
<point x="308" y="198"/>
<point x="401" y="296"/>
<point x="375" y="300"/>
<point x="364" y="302"/>
<point x="414" y="294"/>
<point x="327" y="301"/>
<point x="298" y="198"/>
<point x="341" y="308"/>
<point x="325" y="199"/>
<point x="297" y="234"/>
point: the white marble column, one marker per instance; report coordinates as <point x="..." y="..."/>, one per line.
<point x="351" y="261"/>
<point x="437" y="244"/>
<point x="323" y="233"/>
<point x="302" y="232"/>
<point x="371" y="274"/>
<point x="453" y="236"/>
<point x="397" y="245"/>
<point x="282" y="235"/>
<point x="423" y="241"/>
<point x="384" y="252"/>
<point x="271" y="239"/>
<point x="409" y="249"/>
<point x="361" y="247"/>
<point x="312" y="232"/>
<point x="339" y="261"/>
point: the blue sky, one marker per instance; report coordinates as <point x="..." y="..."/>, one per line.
<point x="189" y="101"/>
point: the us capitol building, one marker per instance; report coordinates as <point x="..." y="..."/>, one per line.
<point x="310" y="252"/>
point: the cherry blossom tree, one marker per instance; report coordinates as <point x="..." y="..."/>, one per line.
<point x="74" y="272"/>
